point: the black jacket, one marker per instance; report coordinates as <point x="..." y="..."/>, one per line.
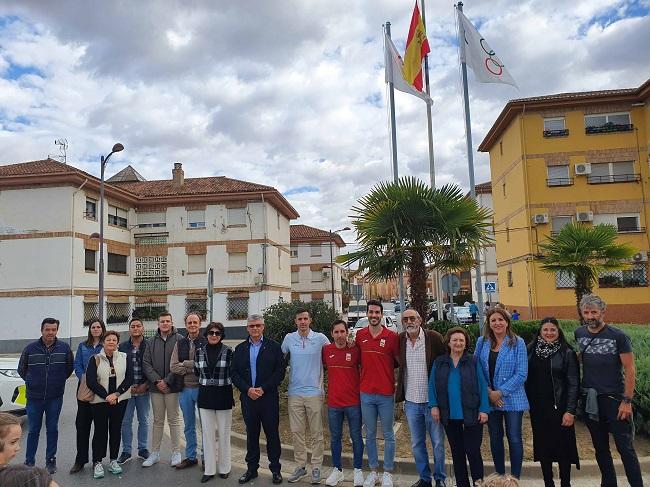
<point x="565" y="378"/>
<point x="270" y="367"/>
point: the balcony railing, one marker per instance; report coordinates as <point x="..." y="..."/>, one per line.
<point x="609" y="128"/>
<point x="556" y="133"/>
<point x="559" y="182"/>
<point x="613" y="178"/>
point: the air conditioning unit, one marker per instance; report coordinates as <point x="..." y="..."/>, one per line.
<point x="582" y="169"/>
<point x="540" y="218"/>
<point x="585" y="216"/>
<point x="640" y="257"/>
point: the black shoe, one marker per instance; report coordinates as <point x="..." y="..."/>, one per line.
<point x="29" y="464"/>
<point x="144" y="453"/>
<point x="277" y="478"/>
<point x="76" y="468"/>
<point x="224" y="475"/>
<point x="50" y="465"/>
<point x="422" y="483"/>
<point x="124" y="457"/>
<point x="248" y="476"/>
<point x="206" y="478"/>
<point x="440" y="483"/>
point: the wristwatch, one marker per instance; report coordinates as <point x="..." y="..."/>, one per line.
<point x="627" y="399"/>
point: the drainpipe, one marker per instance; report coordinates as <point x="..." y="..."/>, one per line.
<point x="72" y="239"/>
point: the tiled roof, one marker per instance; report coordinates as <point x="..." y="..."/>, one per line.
<point x="44" y="166"/>
<point x="209" y="185"/>
<point x="126" y="174"/>
<point x="483" y="187"/>
<point x="577" y="95"/>
<point x="305" y="232"/>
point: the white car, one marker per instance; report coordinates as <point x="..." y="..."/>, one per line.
<point x="387" y="321"/>
<point x="12" y="387"/>
<point x="461" y="315"/>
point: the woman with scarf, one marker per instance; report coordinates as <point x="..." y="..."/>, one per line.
<point x="552" y="388"/>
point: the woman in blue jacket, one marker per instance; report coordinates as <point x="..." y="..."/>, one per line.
<point x="504" y="359"/>
<point x="84" y="419"/>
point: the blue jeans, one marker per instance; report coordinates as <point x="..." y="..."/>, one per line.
<point x="35" y="410"/>
<point x="187" y="399"/>
<point x="141" y="404"/>
<point x="372" y="406"/>
<point x="420" y="422"/>
<point x="515" y="443"/>
<point x="335" y="418"/>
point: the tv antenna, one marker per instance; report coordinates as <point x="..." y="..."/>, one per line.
<point x="63" y="150"/>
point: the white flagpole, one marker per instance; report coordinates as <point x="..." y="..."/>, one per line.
<point x="470" y="164"/>
<point x="393" y="138"/>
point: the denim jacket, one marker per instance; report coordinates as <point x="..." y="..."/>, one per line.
<point x="84" y="352"/>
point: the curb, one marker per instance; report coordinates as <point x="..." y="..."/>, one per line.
<point x="588" y="468"/>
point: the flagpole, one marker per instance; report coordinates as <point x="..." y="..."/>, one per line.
<point x="432" y="168"/>
<point x="393" y="139"/>
<point x="470" y="164"/>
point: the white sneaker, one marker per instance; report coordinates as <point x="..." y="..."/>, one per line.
<point x="358" y="477"/>
<point x="153" y="459"/>
<point x="371" y="480"/>
<point x="98" y="471"/>
<point x="114" y="467"/>
<point x="335" y="477"/>
<point x="387" y="480"/>
<point x="176" y="459"/>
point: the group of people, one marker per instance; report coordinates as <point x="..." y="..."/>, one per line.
<point x="446" y="392"/>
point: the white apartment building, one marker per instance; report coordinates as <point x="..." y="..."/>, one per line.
<point x="160" y="240"/>
<point x="312" y="250"/>
<point x="488" y="254"/>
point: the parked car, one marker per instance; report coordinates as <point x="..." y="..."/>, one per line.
<point x="387" y="321"/>
<point x="12" y="387"/>
<point x="357" y="310"/>
<point x="461" y="315"/>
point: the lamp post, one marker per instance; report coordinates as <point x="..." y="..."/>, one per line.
<point x="116" y="148"/>
<point x="332" y="262"/>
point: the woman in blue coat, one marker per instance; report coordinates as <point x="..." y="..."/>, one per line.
<point x="84" y="419"/>
<point x="504" y="359"/>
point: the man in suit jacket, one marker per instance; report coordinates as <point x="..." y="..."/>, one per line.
<point x="257" y="371"/>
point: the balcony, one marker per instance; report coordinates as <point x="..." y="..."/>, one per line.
<point x="556" y="133"/>
<point x="609" y="128"/>
<point x="613" y="178"/>
<point x="559" y="182"/>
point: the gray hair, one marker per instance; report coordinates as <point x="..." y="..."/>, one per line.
<point x="255" y="317"/>
<point x="592" y="301"/>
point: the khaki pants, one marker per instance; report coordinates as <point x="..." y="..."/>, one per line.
<point x="305" y="411"/>
<point x="221" y="421"/>
<point x="165" y="404"/>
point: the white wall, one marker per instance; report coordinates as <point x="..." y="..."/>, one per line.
<point x="35" y="210"/>
<point x="35" y="263"/>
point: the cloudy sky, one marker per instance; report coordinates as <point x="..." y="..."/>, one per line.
<point x="282" y="92"/>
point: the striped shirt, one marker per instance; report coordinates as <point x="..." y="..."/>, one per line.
<point x="417" y="377"/>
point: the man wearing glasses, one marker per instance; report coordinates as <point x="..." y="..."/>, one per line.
<point x="257" y="371"/>
<point x="417" y="351"/>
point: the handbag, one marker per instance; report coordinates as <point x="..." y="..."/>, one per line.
<point x="84" y="393"/>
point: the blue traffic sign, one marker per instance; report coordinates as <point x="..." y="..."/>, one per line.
<point x="490" y="287"/>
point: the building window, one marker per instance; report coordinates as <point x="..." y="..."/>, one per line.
<point x="238" y="308"/>
<point x="91" y="209"/>
<point x="612" y="172"/>
<point x="606" y="123"/>
<point x="503" y="186"/>
<point x="117" y="313"/>
<point x="559" y="222"/>
<point x="564" y="280"/>
<point x="295" y="277"/>
<point x="635" y="276"/>
<point x="196" y="219"/>
<point x="316" y="276"/>
<point x="558" y="176"/>
<point x="197" y="305"/>
<point x="91" y="313"/>
<point x="91" y="259"/>
<point x="294" y="251"/>
<point x="236" y="217"/>
<point x="316" y="250"/>
<point x="237" y="261"/>
<point x="555" y="127"/>
<point x="149" y="311"/>
<point x="279" y="259"/>
<point x="501" y="147"/>
<point x="152" y="220"/>
<point x="624" y="223"/>
<point x="510" y="282"/>
<point x="196" y="264"/>
<point x="117" y="263"/>
<point x="117" y="216"/>
<point x="279" y="223"/>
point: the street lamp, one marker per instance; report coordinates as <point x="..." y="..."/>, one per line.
<point x="116" y="148"/>
<point x="332" y="261"/>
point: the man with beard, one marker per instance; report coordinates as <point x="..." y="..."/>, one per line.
<point x="417" y="351"/>
<point x="379" y="353"/>
<point x="604" y="351"/>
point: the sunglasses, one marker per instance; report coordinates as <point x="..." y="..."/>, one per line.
<point x="213" y="333"/>
<point x="406" y="319"/>
<point x="255" y="326"/>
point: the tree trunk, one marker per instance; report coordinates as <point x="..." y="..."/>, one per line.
<point x="418" y="281"/>
<point x="584" y="285"/>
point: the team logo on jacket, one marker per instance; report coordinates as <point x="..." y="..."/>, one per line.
<point x="348" y="357"/>
<point x="382" y="342"/>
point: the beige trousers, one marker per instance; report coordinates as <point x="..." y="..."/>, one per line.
<point x="305" y="411"/>
<point x="165" y="404"/>
<point x="219" y="421"/>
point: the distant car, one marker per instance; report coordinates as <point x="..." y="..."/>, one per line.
<point x="461" y="315"/>
<point x="387" y="321"/>
<point x="357" y="310"/>
<point x="12" y="387"/>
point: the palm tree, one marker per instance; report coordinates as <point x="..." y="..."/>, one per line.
<point x="584" y="253"/>
<point x="402" y="226"/>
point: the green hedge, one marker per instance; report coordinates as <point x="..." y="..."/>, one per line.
<point x="279" y="318"/>
<point x="639" y="334"/>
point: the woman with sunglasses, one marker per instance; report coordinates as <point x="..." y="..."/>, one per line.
<point x="212" y="367"/>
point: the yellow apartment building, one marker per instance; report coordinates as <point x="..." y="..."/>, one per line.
<point x="571" y="157"/>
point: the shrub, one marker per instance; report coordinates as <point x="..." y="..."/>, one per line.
<point x="279" y="318"/>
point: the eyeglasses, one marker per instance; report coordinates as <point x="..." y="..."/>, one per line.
<point x="214" y="333"/>
<point x="257" y="325"/>
<point x="406" y="319"/>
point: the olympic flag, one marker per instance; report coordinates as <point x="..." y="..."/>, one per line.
<point x="477" y="54"/>
<point x="395" y="74"/>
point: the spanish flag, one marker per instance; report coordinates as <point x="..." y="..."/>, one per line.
<point x="417" y="46"/>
